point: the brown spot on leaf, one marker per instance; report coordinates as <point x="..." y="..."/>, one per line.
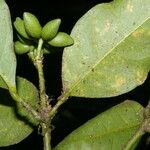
<point x="92" y="69"/>
<point x="134" y="23"/>
<point x="138" y="33"/>
<point x="83" y="63"/>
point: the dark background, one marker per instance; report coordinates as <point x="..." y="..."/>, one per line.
<point x="77" y="110"/>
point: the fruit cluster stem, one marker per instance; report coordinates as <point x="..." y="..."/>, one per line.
<point x="44" y="104"/>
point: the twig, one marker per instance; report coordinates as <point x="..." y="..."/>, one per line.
<point x="44" y="105"/>
<point x="46" y="137"/>
<point x="61" y="100"/>
<point x="31" y="110"/>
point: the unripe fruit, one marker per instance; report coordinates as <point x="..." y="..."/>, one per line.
<point x="19" y="26"/>
<point x="50" y="30"/>
<point x="32" y="25"/>
<point x="21" y="48"/>
<point x="61" y="40"/>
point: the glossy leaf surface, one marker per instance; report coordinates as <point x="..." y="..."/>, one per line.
<point x="111" y="51"/>
<point x="14" y="124"/>
<point x="110" y="130"/>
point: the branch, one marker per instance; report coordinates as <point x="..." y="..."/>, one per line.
<point x="61" y="100"/>
<point x="46" y="137"/>
<point x="31" y="110"/>
<point x="39" y="66"/>
<point x="45" y="107"/>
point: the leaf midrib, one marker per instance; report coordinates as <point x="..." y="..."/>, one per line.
<point x="91" y="137"/>
<point x="82" y="77"/>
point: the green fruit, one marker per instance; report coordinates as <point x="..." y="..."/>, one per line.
<point x="50" y="30"/>
<point x="32" y="25"/>
<point x="21" y="48"/>
<point x="19" y="26"/>
<point x="61" y="40"/>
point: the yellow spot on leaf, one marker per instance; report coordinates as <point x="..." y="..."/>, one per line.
<point x="140" y="76"/>
<point x="130" y="7"/>
<point x="97" y="29"/>
<point x="107" y="26"/>
<point x="138" y="33"/>
<point x="97" y="84"/>
<point x="119" y="82"/>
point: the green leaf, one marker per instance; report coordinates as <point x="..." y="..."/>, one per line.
<point x="15" y="122"/>
<point x="110" y="130"/>
<point x="7" y="56"/>
<point x="111" y="51"/>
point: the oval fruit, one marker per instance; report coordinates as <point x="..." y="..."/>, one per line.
<point x="50" y="30"/>
<point x="32" y="25"/>
<point x="19" y="26"/>
<point x="61" y="40"/>
<point x="21" y="48"/>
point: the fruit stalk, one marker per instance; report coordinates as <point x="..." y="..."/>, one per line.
<point x="44" y="104"/>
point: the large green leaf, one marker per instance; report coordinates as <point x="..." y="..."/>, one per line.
<point x="16" y="124"/>
<point x="110" y="130"/>
<point x="7" y="56"/>
<point x="111" y="51"/>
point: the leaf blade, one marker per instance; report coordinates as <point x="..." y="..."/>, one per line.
<point x="7" y="56"/>
<point x="109" y="130"/>
<point x="15" y="122"/>
<point x="89" y="66"/>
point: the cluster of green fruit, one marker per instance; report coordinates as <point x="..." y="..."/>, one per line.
<point x="30" y="31"/>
